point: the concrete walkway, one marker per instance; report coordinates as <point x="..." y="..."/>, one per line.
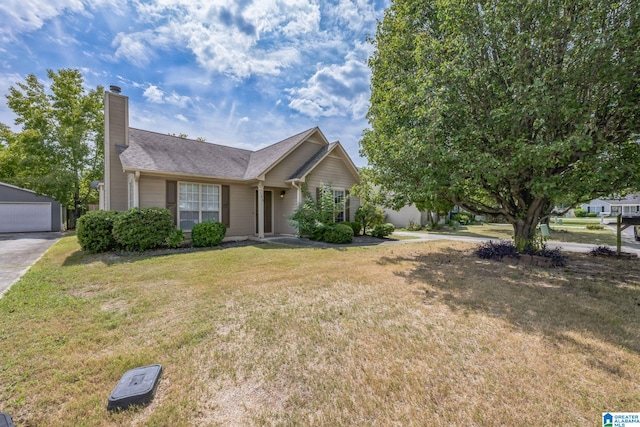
<point x="18" y="252"/>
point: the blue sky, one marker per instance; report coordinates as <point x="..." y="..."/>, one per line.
<point x="245" y="73"/>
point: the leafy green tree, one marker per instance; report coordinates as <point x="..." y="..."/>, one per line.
<point x="505" y="107"/>
<point x="60" y="147"/>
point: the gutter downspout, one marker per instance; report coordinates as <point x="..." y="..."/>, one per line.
<point x="298" y="193"/>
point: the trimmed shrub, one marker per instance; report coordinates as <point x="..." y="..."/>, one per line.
<point x="175" y="239"/>
<point x="208" y="233"/>
<point x="580" y="213"/>
<point x="338" y="233"/>
<point x="594" y="227"/>
<point x="317" y="232"/>
<point x="95" y="231"/>
<point x="592" y="215"/>
<point x="383" y="230"/>
<point x="356" y="226"/>
<point x="140" y="229"/>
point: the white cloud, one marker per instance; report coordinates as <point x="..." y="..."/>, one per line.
<point x="157" y="96"/>
<point x="153" y="94"/>
<point x="260" y="37"/>
<point x="19" y="16"/>
<point x="181" y="118"/>
<point x="356" y="14"/>
<point x="334" y="90"/>
<point x="133" y="48"/>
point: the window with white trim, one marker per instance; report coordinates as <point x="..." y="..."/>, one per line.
<point x="339" y="201"/>
<point x="198" y="203"/>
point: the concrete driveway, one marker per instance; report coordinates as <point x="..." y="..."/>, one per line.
<point x="18" y="252"/>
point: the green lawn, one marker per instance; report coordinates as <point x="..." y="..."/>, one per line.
<point x="409" y="334"/>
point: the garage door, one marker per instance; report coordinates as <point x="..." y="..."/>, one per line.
<point x="22" y="217"/>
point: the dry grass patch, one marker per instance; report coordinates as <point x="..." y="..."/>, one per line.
<point x="558" y="233"/>
<point x="411" y="334"/>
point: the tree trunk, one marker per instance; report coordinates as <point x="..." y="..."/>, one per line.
<point x="525" y="228"/>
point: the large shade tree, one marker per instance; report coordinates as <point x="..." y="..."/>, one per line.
<point x="505" y="107"/>
<point x="59" y="149"/>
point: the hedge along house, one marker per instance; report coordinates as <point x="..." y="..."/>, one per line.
<point x="252" y="192"/>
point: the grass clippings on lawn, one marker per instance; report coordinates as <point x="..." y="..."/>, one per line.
<point x="413" y="334"/>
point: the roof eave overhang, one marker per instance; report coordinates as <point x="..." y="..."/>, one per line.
<point x="186" y="174"/>
<point x="352" y="168"/>
<point x="311" y="131"/>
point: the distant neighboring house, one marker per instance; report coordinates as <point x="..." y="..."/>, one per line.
<point x="252" y="192"/>
<point x="22" y="210"/>
<point x="629" y="205"/>
<point x="405" y="216"/>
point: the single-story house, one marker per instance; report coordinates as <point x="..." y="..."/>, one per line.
<point x="405" y="216"/>
<point x="252" y="192"/>
<point x="627" y="206"/>
<point x="22" y="210"/>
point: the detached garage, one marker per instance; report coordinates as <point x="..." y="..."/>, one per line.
<point x="22" y="210"/>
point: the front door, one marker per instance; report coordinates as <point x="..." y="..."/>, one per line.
<point x="268" y="218"/>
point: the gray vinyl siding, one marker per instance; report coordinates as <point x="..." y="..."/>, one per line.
<point x="284" y="208"/>
<point x="333" y="171"/>
<point x="242" y="210"/>
<point x="288" y="166"/>
<point x="117" y="128"/>
<point x="152" y="192"/>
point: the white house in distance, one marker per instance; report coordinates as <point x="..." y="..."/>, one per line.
<point x="627" y="206"/>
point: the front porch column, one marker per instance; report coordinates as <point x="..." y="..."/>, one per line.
<point x="260" y="211"/>
<point x="136" y="189"/>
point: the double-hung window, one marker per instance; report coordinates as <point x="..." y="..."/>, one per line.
<point x="198" y="203"/>
<point x="339" y="203"/>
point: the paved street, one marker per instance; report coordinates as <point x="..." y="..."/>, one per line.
<point x="18" y="251"/>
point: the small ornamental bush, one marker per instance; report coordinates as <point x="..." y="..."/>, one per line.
<point x="208" y="233"/>
<point x="356" y="226"/>
<point x="592" y="215"/>
<point x="594" y="227"/>
<point x="496" y="250"/>
<point x="317" y="232"/>
<point x="369" y="216"/>
<point x="580" y="213"/>
<point x="383" y="230"/>
<point x="175" y="239"/>
<point x="602" y="251"/>
<point x="94" y="231"/>
<point x="413" y="226"/>
<point x="338" y="233"/>
<point x="557" y="258"/>
<point x="506" y="248"/>
<point x="140" y="229"/>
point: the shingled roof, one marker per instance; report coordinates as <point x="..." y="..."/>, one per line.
<point x="156" y="152"/>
